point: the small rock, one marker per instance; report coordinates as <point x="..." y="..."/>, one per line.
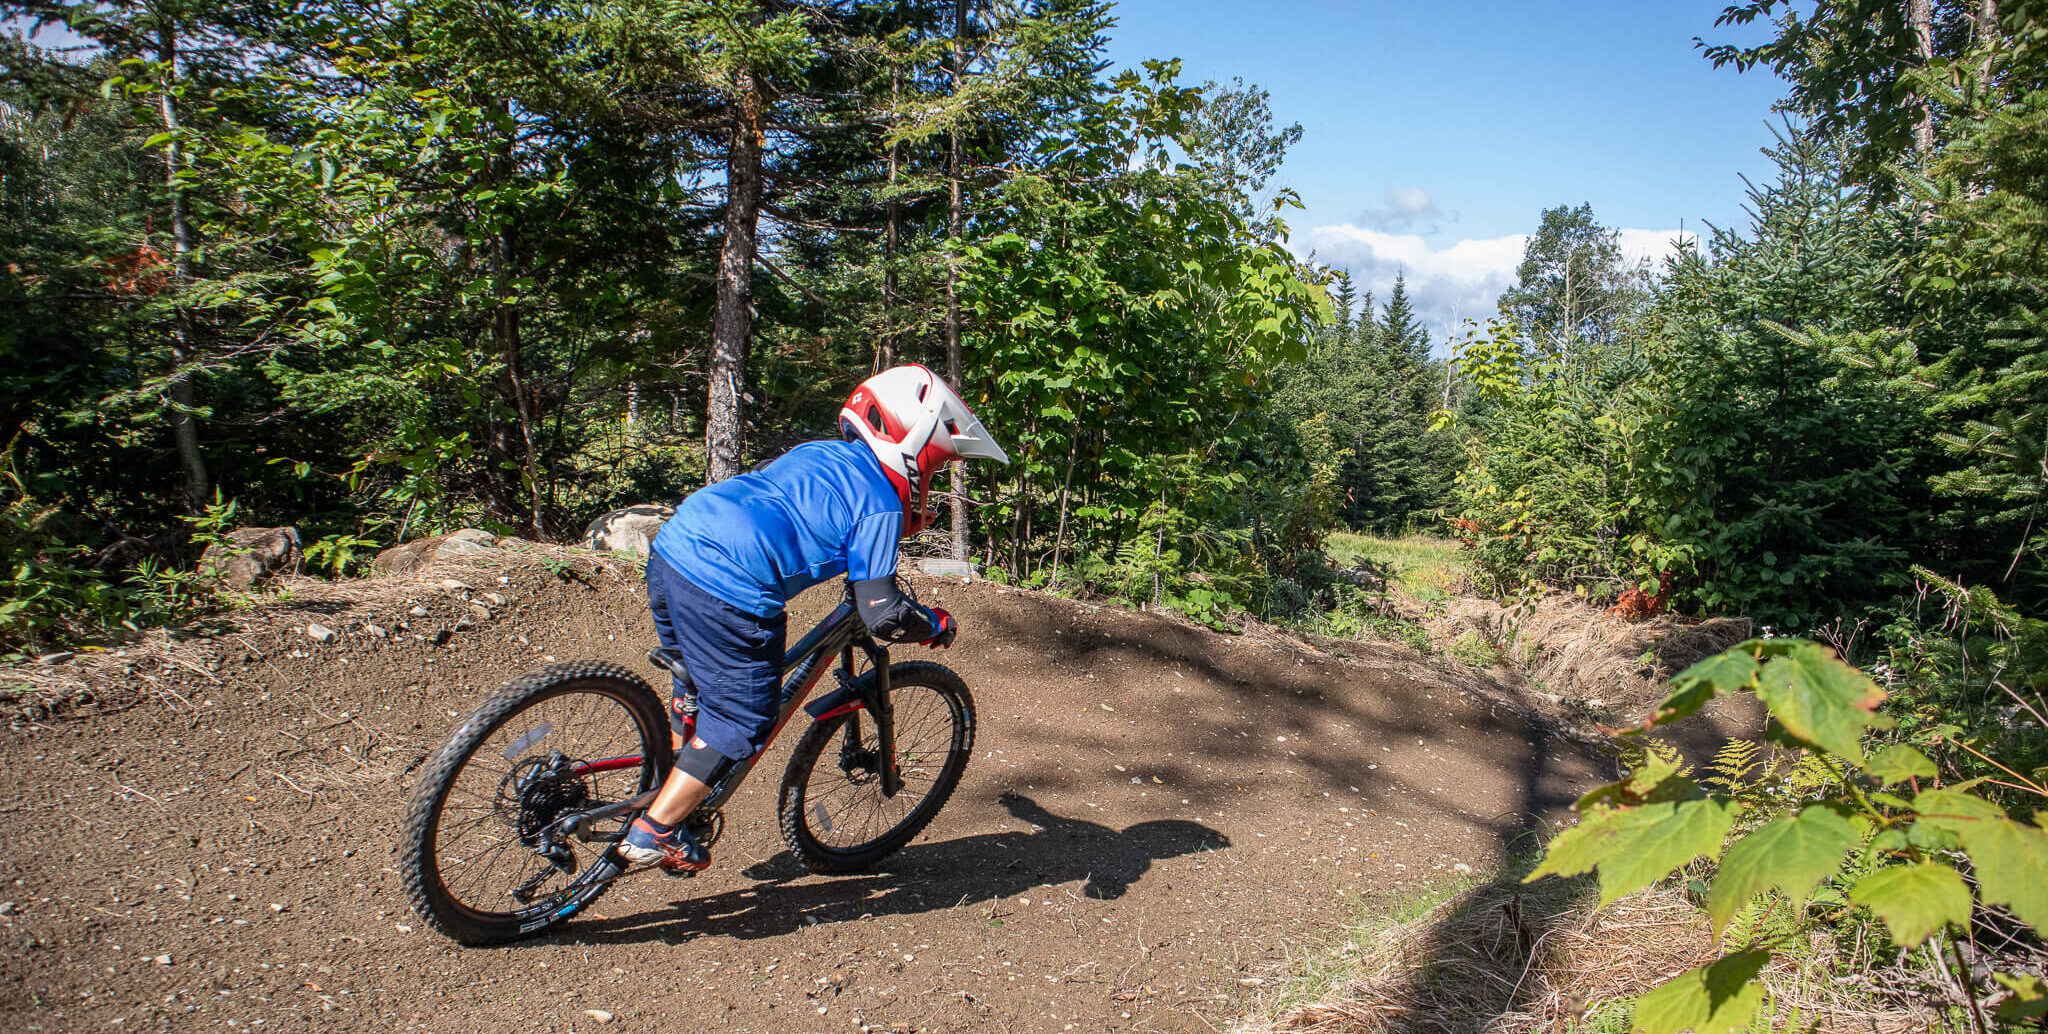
<point x="375" y="631"/>
<point x="55" y="658"/>
<point x="1461" y="867"/>
<point x="439" y="636"/>
<point x="246" y="556"/>
<point x="495" y="599"/>
<point x="320" y="633"/>
<point x="599" y="1015"/>
<point x="965" y="570"/>
<point x="482" y="612"/>
<point x="453" y="548"/>
<point x="452" y="585"/>
<point x="418" y="611"/>
<point x="475" y="536"/>
<point x="6" y="908"/>
<point x="630" y="530"/>
<point x="162" y="960"/>
<point x="275" y="907"/>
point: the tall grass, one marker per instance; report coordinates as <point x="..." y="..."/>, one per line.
<point x="1424" y="567"/>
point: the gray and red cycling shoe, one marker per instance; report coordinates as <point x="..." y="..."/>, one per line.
<point x="671" y="847"/>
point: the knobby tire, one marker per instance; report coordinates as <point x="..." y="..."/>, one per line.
<point x="822" y="743"/>
<point x="419" y="862"/>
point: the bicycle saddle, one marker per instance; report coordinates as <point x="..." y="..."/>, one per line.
<point x="670" y="661"/>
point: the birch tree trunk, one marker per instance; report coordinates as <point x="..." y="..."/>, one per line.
<point x="886" y="356"/>
<point x="1920" y="16"/>
<point x="1986" y="31"/>
<point x="184" y="423"/>
<point x="732" y="324"/>
<point x="954" y="219"/>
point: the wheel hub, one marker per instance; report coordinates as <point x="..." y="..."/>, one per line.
<point x="537" y="791"/>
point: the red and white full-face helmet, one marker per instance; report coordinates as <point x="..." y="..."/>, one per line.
<point x="915" y="424"/>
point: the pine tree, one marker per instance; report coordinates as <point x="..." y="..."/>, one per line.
<point x="1399" y="330"/>
<point x="1346" y="300"/>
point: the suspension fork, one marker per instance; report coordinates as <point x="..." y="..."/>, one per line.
<point x="875" y="701"/>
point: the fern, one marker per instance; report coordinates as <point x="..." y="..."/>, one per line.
<point x="1731" y="764"/>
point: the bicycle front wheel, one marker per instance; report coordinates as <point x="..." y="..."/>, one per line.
<point x="834" y="814"/>
<point x="565" y="739"/>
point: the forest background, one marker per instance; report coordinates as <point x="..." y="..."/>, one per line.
<point x="380" y="270"/>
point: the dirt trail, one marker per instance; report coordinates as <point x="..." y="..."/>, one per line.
<point x="1155" y="817"/>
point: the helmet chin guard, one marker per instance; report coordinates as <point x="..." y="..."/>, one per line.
<point x="915" y="423"/>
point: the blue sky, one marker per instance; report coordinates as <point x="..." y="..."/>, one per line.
<point x="1437" y="132"/>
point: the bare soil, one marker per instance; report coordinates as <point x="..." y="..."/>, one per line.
<point x="1157" y="818"/>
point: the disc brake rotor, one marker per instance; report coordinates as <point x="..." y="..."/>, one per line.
<point x="537" y="791"/>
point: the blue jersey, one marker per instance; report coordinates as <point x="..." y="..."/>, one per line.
<point x="824" y="509"/>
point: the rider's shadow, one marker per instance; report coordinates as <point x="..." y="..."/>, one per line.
<point x="922" y="878"/>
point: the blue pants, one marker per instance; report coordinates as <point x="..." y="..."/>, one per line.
<point x="734" y="658"/>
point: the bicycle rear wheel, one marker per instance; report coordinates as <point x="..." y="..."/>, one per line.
<point x="564" y="739"/>
<point x="832" y="810"/>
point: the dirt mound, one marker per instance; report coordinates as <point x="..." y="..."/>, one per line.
<point x="1157" y="816"/>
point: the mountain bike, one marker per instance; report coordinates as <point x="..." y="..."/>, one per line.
<point x="515" y="819"/>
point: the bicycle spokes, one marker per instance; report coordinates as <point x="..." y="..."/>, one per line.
<point x="846" y="802"/>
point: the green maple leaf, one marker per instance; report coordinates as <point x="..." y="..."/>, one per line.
<point x="1717" y="675"/>
<point x="1821" y="701"/>
<point x="1635" y="847"/>
<point x="1717" y="998"/>
<point x="1898" y="763"/>
<point x="1914" y="900"/>
<point x="1942" y="815"/>
<point x="2011" y="864"/>
<point x="2029" y="997"/>
<point x="1790" y="855"/>
<point x="2010" y="858"/>
<point x="1652" y="780"/>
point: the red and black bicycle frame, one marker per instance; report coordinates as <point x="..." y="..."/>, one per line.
<point x="840" y="634"/>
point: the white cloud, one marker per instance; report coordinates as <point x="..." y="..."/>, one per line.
<point x="1449" y="284"/>
<point x="1407" y="210"/>
<point x="1654" y="245"/>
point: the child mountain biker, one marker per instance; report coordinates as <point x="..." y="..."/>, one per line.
<point x="725" y="565"/>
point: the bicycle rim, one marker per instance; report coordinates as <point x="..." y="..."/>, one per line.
<point x="844" y="808"/>
<point x="541" y="760"/>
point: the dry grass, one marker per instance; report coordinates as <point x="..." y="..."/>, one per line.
<point x="1504" y="957"/>
<point x="1576" y="650"/>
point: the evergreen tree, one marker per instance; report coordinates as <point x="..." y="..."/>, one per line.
<point x="1790" y="485"/>
<point x="1399" y="330"/>
<point x="1346" y="300"/>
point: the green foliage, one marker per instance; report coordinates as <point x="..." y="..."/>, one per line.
<point x="1717" y="998"/>
<point x="1790" y="855"/>
<point x="1818" y="820"/>
<point x="1573" y="290"/>
<point x="1125" y="325"/>
<point x="1359" y="403"/>
<point x="1545" y="492"/>
<point x="56" y="589"/>
<point x="341" y="555"/>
